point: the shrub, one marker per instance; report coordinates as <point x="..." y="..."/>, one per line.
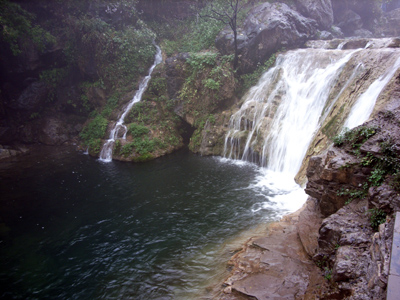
<point x="17" y="25"/>
<point x="95" y="129"/>
<point x="144" y="146"/>
<point x="355" y="137"/>
<point x="251" y="79"/>
<point x="137" y="130"/>
<point x="376" y="217"/>
<point x="377" y="177"/>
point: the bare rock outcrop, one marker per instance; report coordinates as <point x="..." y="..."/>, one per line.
<point x="319" y="10"/>
<point x="356" y="188"/>
<point x="268" y="28"/>
<point x="278" y="265"/>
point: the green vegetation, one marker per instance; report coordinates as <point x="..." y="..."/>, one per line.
<point x="327" y="273"/>
<point x="93" y="132"/>
<point x="18" y="29"/>
<point x="251" y="79"/>
<point x="137" y="130"/>
<point x="142" y="146"/>
<point x="190" y="35"/>
<point x="355" y="137"/>
<point x="120" y="56"/>
<point x="376" y="217"/>
<point x="352" y="194"/>
<point x="206" y="72"/>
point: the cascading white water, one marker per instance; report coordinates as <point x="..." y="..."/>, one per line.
<point x="119" y="127"/>
<point x="285" y="109"/>
<point x="283" y="112"/>
<point x="362" y="109"/>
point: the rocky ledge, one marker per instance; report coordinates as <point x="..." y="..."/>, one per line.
<point x="339" y="244"/>
<point x="278" y="265"/>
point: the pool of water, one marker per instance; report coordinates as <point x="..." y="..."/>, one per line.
<point x="72" y="227"/>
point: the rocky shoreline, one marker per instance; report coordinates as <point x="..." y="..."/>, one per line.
<point x="278" y="265"/>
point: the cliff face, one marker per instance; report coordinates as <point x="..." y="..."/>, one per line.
<point x="356" y="188"/>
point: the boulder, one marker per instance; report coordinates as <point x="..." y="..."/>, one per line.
<point x="363" y="13"/>
<point x="32" y="97"/>
<point x="349" y="22"/>
<point x="328" y="174"/>
<point x="53" y="132"/>
<point x="319" y="10"/>
<point x="267" y="29"/>
<point x="325" y="35"/>
<point x="277" y="266"/>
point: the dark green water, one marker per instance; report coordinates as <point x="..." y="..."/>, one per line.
<point x="75" y="228"/>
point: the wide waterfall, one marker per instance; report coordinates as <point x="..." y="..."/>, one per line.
<point x="284" y="112"/>
<point x="120" y="130"/>
<point x="285" y="109"/>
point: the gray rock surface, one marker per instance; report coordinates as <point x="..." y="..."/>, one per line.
<point x="268" y="28"/>
<point x="319" y="10"/>
<point x="31" y="97"/>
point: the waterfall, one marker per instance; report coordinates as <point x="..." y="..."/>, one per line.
<point x="364" y="106"/>
<point x="282" y="112"/>
<point x="119" y="127"/>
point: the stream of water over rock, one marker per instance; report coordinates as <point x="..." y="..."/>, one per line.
<point x="119" y="130"/>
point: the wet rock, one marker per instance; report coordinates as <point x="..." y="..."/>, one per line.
<point x="7" y="152"/>
<point x="347" y="264"/>
<point x="276" y="266"/>
<point x="319" y="10"/>
<point x="328" y="174"/>
<point x="97" y="96"/>
<point x="53" y="132"/>
<point x="363" y="33"/>
<point x="384" y="197"/>
<point x="308" y="228"/>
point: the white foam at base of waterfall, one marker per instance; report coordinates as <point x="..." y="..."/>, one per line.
<point x="301" y="83"/>
<point x="107" y="149"/>
<point x="287" y="196"/>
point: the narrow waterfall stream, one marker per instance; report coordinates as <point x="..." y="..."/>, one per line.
<point x="120" y="130"/>
<point x="366" y="102"/>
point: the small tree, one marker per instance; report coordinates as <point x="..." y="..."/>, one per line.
<point x="227" y="13"/>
